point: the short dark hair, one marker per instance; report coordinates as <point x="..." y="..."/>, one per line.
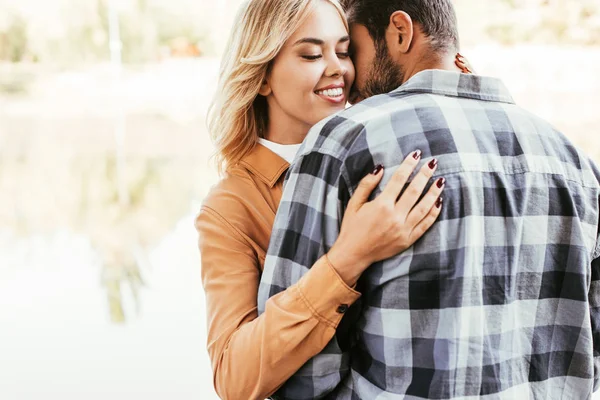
<point x="437" y="18"/>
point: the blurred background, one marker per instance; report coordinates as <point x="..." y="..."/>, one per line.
<point x="104" y="162"/>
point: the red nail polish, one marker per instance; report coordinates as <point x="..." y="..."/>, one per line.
<point x="439" y="202"/>
<point x="377" y="169"/>
<point x="433" y="163"/>
<point x="417" y="154"/>
<point x="441" y="182"/>
<point x="459" y="55"/>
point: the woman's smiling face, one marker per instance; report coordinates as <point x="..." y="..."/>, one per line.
<point x="311" y="77"/>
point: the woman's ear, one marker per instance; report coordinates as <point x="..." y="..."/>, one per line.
<point x="265" y="88"/>
<point x="400" y="32"/>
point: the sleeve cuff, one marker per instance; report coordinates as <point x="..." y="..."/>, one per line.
<point x="596" y="252"/>
<point x="325" y="293"/>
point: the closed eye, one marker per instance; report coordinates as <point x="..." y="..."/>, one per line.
<point x="312" y="58"/>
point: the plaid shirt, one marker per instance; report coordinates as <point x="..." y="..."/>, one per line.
<point x="500" y="299"/>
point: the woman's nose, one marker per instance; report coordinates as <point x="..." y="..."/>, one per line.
<point x="335" y="67"/>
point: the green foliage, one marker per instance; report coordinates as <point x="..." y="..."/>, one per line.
<point x="146" y="32"/>
<point x="13" y="41"/>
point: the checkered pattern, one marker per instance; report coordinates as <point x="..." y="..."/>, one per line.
<point x="500" y="299"/>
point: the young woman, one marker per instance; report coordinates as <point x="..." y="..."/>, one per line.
<point x="286" y="67"/>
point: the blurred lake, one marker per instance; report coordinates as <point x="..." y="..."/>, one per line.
<point x="102" y="300"/>
<point x="100" y="287"/>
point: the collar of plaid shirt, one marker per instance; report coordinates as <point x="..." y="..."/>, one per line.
<point x="457" y="85"/>
<point x="501" y="298"/>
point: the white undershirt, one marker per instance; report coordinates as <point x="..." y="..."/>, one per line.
<point x="285" y="151"/>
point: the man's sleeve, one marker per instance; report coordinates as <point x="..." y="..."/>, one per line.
<point x="306" y="226"/>
<point x="594" y="300"/>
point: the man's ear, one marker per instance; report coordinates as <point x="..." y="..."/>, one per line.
<point x="400" y="32"/>
<point x="265" y="88"/>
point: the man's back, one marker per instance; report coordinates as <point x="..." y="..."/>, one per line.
<point x="499" y="297"/>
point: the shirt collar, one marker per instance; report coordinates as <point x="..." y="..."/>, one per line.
<point x="455" y="84"/>
<point x="265" y="164"/>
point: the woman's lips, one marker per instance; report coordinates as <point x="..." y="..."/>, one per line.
<point x="335" y="95"/>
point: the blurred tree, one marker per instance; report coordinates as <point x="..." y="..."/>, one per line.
<point x="13" y="41"/>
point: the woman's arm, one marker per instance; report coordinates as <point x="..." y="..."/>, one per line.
<point x="252" y="356"/>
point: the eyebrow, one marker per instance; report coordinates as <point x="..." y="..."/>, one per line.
<point x="319" y="42"/>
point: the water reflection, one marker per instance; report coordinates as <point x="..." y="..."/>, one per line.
<point x="55" y="330"/>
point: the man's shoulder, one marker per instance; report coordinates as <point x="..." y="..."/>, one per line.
<point x="554" y="143"/>
<point x="335" y="134"/>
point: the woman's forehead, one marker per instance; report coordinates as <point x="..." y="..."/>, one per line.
<point x="324" y="23"/>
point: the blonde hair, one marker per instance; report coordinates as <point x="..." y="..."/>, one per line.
<point x="238" y="115"/>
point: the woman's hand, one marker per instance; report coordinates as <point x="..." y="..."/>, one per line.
<point x="464" y="64"/>
<point x="375" y="230"/>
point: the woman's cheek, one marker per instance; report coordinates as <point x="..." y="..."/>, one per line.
<point x="351" y="72"/>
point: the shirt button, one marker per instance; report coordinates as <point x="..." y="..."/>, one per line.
<point x="342" y="309"/>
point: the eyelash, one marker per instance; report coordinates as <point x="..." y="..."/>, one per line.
<point x="313" y="58"/>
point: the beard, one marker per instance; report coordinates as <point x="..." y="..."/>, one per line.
<point x="383" y="77"/>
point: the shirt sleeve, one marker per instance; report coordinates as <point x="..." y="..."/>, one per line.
<point x="594" y="300"/>
<point x="252" y="356"/>
<point x="306" y="226"/>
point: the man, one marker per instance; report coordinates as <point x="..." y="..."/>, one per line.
<point x="501" y="298"/>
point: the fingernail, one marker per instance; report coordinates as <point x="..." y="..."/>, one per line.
<point x="377" y="169"/>
<point x="441" y="182"/>
<point x="459" y="55"/>
<point x="417" y="154"/>
<point x="433" y="163"/>
<point x="439" y="202"/>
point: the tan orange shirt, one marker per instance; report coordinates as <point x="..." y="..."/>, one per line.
<point x="253" y="356"/>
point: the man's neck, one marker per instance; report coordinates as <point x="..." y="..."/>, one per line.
<point x="428" y="60"/>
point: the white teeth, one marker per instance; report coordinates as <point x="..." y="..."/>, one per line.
<point x="337" y="92"/>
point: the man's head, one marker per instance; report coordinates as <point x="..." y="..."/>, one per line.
<point x="394" y="39"/>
